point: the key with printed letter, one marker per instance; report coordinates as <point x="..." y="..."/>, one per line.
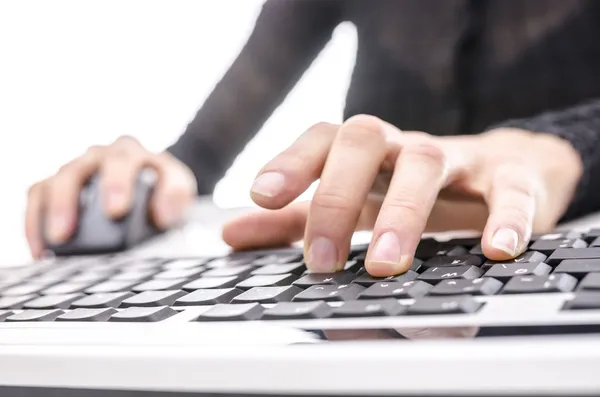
<point x="407" y="290"/>
<point x="436" y="274"/>
<point x="478" y="286"/>
<point x="444" y="305"/>
<point x="328" y="293"/>
<point x="540" y="284"/>
<point x="505" y="271"/>
<point x="369" y="308"/>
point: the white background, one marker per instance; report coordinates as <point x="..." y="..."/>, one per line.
<point x="79" y="72"/>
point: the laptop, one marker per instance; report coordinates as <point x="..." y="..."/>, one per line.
<point x="181" y="316"/>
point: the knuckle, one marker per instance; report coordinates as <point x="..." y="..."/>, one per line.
<point x="35" y="189"/>
<point x="322" y="125"/>
<point x="428" y="152"/>
<point x="331" y="200"/>
<point x="404" y="206"/>
<point x="94" y="151"/>
<point x="361" y="129"/>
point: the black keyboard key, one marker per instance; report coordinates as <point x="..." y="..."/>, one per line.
<point x="443" y="261"/>
<point x="297" y="310"/>
<point x="547" y="247"/>
<point x="436" y="274"/>
<point x="540" y="284"/>
<point x="240" y="271"/>
<point x="330" y="293"/>
<point x="578" y="268"/>
<point x="590" y="282"/>
<point x="591" y="235"/>
<point x="275" y="280"/>
<point x="35" y="315"/>
<point x="478" y="286"/>
<point x="211" y="282"/>
<point x="525" y="257"/>
<point x="187" y="263"/>
<point x="53" y="301"/>
<point x="467" y="242"/>
<point x="87" y="315"/>
<point x="595" y="242"/>
<point x="289" y="268"/>
<point x="15" y="302"/>
<point x="444" y="305"/>
<point x="478" y="251"/>
<point x="569" y="253"/>
<point x="369" y="308"/>
<point x="153" y="298"/>
<point x="67" y="288"/>
<point x="353" y="266"/>
<point x="275" y="259"/>
<point x="406" y="290"/>
<point x="232" y="312"/>
<point x="111" y="286"/>
<point x="268" y="294"/>
<point x="191" y="273"/>
<point x="204" y="297"/>
<point x="160" y="285"/>
<point x="428" y="248"/>
<point x="366" y="280"/>
<point x="506" y="271"/>
<point x="4" y="314"/>
<point x="24" y="289"/>
<point x="584" y="300"/>
<point x="102" y="300"/>
<point x="138" y="276"/>
<point x="570" y="234"/>
<point x="143" y="314"/>
<point x="311" y="279"/>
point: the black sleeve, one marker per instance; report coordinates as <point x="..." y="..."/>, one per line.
<point x="287" y="37"/>
<point x="580" y="125"/>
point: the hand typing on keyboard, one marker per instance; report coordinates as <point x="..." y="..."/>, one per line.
<point x="506" y="183"/>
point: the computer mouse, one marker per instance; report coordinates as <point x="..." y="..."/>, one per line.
<point x="97" y="233"/>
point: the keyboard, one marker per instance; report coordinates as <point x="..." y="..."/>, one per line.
<point x="450" y="283"/>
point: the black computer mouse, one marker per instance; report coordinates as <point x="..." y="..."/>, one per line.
<point x="97" y="233"/>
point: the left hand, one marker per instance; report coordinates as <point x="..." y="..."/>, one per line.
<point x="506" y="183"/>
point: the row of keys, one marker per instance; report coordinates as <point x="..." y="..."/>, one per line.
<point x="325" y="292"/>
<point x="284" y="310"/>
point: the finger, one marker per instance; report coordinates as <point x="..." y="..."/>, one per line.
<point x="119" y="171"/>
<point x="32" y="219"/>
<point x="512" y="203"/>
<point x="63" y="194"/>
<point x="421" y="170"/>
<point x="267" y="228"/>
<point x="278" y="228"/>
<point x="174" y="192"/>
<point x="352" y="165"/>
<point x="291" y="172"/>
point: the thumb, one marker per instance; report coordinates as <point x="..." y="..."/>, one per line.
<point x="267" y="228"/>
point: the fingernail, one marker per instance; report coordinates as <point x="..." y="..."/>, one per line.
<point x="506" y="240"/>
<point x="58" y="227"/>
<point x="387" y="253"/>
<point x="322" y="256"/>
<point x="269" y="184"/>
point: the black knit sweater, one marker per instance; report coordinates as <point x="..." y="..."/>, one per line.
<point x="446" y="67"/>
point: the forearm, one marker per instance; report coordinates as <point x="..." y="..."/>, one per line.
<point x="287" y="37"/>
<point x="580" y="127"/>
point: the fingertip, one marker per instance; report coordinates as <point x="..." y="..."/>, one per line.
<point x="503" y="244"/>
<point x="117" y="201"/>
<point x="386" y="269"/>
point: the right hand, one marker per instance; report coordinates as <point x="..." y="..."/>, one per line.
<point x="118" y="166"/>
